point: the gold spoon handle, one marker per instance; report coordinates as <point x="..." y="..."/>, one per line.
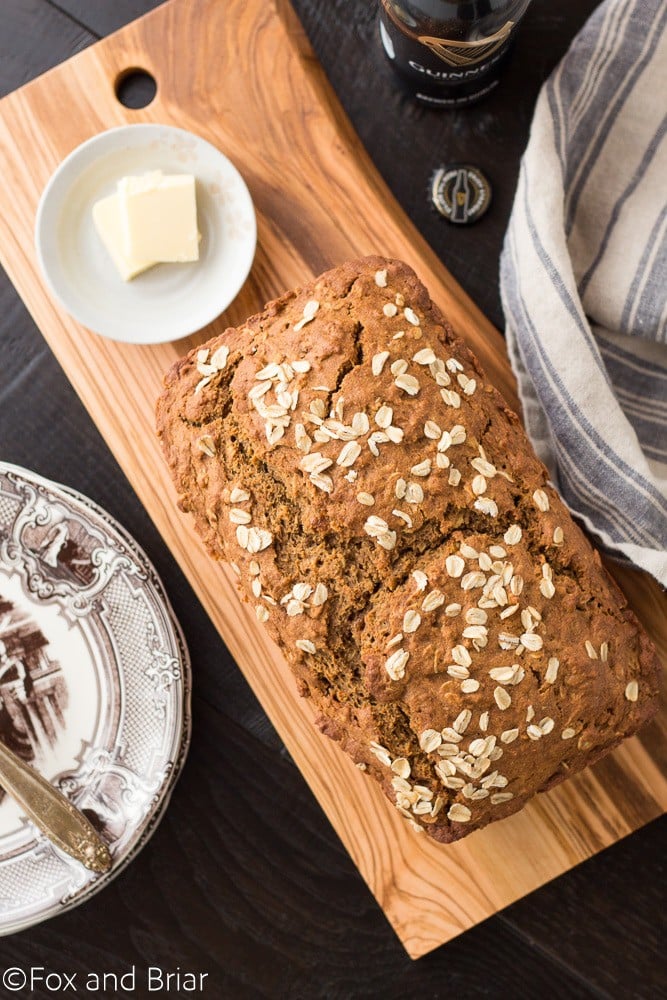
<point x="52" y="812"/>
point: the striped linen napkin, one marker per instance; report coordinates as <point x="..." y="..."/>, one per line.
<point x="584" y="280"/>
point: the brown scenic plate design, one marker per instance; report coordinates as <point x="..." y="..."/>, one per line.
<point x="94" y="687"/>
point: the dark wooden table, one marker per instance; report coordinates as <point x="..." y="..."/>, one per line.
<point x="245" y="878"/>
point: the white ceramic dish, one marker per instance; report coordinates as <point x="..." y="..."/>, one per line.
<point x="170" y="300"/>
<point x="94" y="688"/>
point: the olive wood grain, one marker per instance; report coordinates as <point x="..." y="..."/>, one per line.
<point x="243" y="75"/>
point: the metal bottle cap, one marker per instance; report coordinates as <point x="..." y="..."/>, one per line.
<point x="460" y="192"/>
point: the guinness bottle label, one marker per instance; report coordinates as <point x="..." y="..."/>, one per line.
<point x="461" y="193"/>
<point x="467" y="53"/>
<point x="446" y="53"/>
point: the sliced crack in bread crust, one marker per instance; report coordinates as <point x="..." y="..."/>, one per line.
<point x="386" y="516"/>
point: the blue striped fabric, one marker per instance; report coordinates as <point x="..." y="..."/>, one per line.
<point x="584" y="280"/>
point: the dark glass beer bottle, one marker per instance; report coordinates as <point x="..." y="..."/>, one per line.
<point x="449" y="54"/>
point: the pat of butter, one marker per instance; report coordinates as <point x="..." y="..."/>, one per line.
<point x="108" y="221"/>
<point x="159" y="217"/>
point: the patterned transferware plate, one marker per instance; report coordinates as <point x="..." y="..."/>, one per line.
<point x="94" y="687"/>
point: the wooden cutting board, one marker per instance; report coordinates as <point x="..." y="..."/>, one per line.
<point x="242" y="74"/>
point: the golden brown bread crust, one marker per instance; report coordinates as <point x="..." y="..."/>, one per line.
<point x="389" y="521"/>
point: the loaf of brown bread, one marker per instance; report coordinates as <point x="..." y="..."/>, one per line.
<point x="393" y="529"/>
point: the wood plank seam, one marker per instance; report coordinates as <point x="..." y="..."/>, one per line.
<point x="73" y="19"/>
